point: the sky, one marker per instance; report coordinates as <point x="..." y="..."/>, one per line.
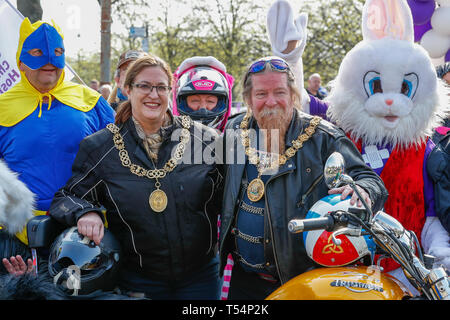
<point x="80" y="21"/>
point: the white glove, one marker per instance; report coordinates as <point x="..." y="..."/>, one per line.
<point x="282" y="28"/>
<point x="436" y="242"/>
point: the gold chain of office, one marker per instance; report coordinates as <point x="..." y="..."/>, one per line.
<point x="255" y="190"/>
<point x="158" y="198"/>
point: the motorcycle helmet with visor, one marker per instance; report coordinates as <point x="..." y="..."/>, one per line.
<point x="320" y="247"/>
<point x="77" y="263"/>
<point x="203" y="80"/>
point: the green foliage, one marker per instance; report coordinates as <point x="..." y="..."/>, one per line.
<point x="86" y="66"/>
<point x="334" y="27"/>
<point x="129" y="12"/>
<point x="31" y="9"/>
<point x="213" y="28"/>
<point x="233" y="31"/>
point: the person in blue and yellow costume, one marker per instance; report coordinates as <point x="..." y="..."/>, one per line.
<point x="43" y="118"/>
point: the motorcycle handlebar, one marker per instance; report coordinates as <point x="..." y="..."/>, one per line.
<point x="300" y="225"/>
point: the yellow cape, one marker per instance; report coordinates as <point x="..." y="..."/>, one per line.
<point x="20" y="101"/>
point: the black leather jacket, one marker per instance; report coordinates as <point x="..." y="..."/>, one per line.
<point x="292" y="191"/>
<point x="159" y="246"/>
<point x="438" y="167"/>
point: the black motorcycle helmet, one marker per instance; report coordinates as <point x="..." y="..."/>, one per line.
<point x="203" y="80"/>
<point x="79" y="266"/>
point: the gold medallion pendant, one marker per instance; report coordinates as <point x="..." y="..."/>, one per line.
<point x="158" y="200"/>
<point x="255" y="190"/>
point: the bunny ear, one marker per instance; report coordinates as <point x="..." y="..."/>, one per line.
<point x="387" y="18"/>
<point x="282" y="27"/>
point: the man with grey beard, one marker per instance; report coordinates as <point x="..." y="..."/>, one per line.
<point x="280" y="178"/>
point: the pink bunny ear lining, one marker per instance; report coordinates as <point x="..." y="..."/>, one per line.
<point x="386" y="18"/>
<point x="376" y="20"/>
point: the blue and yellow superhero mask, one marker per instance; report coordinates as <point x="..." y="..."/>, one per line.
<point x="47" y="39"/>
<point x="20" y="101"/>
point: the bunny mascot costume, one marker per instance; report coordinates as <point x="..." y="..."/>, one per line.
<point x="388" y="100"/>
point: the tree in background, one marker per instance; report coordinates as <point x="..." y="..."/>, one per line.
<point x="85" y="65"/>
<point x="170" y="39"/>
<point x="31" y="9"/>
<point x="234" y="32"/>
<point x="334" y="27"/>
<point x="126" y="11"/>
<point x="231" y="30"/>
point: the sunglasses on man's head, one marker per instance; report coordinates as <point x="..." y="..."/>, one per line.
<point x="276" y="64"/>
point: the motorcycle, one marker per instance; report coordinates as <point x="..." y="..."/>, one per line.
<point x="339" y="236"/>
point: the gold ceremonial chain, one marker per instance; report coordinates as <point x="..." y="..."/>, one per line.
<point x="158" y="198"/>
<point x="255" y="190"/>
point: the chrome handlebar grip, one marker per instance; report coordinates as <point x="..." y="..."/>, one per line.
<point x="295" y="226"/>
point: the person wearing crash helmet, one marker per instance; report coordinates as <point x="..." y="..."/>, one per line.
<point x="202" y="91"/>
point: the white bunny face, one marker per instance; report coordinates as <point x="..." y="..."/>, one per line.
<point x="386" y="90"/>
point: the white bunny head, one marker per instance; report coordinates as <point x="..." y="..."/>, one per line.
<point x="387" y="90"/>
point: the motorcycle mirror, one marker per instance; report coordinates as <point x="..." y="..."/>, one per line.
<point x="334" y="176"/>
<point x="333" y="170"/>
<point x="387" y="222"/>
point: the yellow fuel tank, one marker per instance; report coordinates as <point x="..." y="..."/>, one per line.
<point x="343" y="283"/>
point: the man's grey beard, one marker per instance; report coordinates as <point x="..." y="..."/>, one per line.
<point x="274" y="124"/>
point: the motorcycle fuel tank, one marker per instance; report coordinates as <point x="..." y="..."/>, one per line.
<point x="342" y="283"/>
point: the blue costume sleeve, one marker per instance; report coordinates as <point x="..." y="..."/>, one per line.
<point x="104" y="112"/>
<point x="318" y="107"/>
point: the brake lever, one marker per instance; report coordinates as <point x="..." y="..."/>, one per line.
<point x="347" y="231"/>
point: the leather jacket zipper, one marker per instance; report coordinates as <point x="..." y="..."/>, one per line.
<point x="271" y="228"/>
<point x="232" y="221"/>
<point x="310" y="189"/>
<point x="206" y="214"/>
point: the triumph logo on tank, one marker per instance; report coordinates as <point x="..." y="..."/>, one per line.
<point x="356" y="286"/>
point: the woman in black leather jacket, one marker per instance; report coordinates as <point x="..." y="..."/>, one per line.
<point x="148" y="170"/>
